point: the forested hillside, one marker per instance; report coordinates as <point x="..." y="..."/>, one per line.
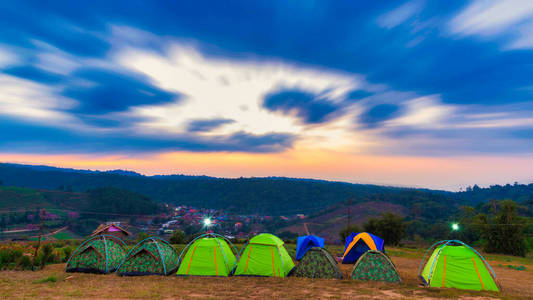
<point x="242" y="195"/>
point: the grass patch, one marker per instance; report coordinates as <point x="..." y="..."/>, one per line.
<point x="51" y="278"/>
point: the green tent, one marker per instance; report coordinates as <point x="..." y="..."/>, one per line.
<point x="454" y="264"/>
<point x="375" y="266"/>
<point x="151" y="256"/>
<point x="264" y="255"/>
<point x="317" y="262"/>
<point x="207" y="255"/>
<point x="99" y="254"/>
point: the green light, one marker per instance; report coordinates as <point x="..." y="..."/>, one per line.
<point x="455" y="226"/>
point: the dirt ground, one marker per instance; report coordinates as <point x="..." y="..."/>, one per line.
<point x="31" y="285"/>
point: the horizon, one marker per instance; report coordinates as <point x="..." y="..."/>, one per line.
<point x="462" y="189"/>
<point x="411" y="94"/>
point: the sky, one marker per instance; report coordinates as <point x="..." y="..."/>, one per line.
<point x="435" y="94"/>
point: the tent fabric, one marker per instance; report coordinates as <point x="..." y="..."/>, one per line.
<point x="358" y="243"/>
<point x="454" y="264"/>
<point x="207" y="255"/>
<point x="151" y="256"/>
<point x="317" y="263"/>
<point x="375" y="266"/>
<point x="305" y="243"/>
<point x="99" y="254"/>
<point x="264" y="255"/>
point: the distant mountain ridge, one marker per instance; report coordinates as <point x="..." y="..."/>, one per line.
<point x="267" y="195"/>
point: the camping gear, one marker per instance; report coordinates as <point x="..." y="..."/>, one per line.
<point x="454" y="264"/>
<point x="359" y="243"/>
<point x="151" y="256"/>
<point x="264" y="255"/>
<point x="207" y="255"/>
<point x="98" y="254"/>
<point x="305" y="243"/>
<point x="317" y="263"/>
<point x="375" y="266"/>
<point x="111" y="229"/>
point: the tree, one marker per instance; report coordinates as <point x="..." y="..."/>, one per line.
<point x="142" y="236"/>
<point x="177" y="237"/>
<point x="390" y="227"/>
<point x="504" y="233"/>
<point x="346" y="231"/>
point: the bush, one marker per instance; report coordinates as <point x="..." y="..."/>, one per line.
<point x="390" y="227"/>
<point x="177" y="237"/>
<point x="67" y="252"/>
<point x="24" y="262"/>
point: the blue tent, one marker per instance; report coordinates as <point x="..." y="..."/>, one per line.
<point x="359" y="243"/>
<point x="306" y="242"/>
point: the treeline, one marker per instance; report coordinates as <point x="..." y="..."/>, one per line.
<point x="497" y="227"/>
<point x="271" y="196"/>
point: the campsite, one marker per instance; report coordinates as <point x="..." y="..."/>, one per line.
<point x="53" y="282"/>
<point x="266" y="149"/>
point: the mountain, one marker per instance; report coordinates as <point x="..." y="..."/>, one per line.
<point x="270" y="196"/>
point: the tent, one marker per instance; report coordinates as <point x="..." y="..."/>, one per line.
<point x="305" y="243"/>
<point x="317" y="263"/>
<point x="454" y="264"/>
<point x="264" y="255"/>
<point x="359" y="243"/>
<point x="375" y="266"/>
<point x="98" y="254"/>
<point x="207" y="255"/>
<point x="151" y="256"/>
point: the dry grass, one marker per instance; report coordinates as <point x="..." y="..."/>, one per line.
<point x="32" y="285"/>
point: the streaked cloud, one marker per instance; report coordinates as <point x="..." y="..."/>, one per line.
<point x="489" y="18"/>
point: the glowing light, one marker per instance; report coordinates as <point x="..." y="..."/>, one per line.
<point x="207" y="222"/>
<point x="455" y="226"/>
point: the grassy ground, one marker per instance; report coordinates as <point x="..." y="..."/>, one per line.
<point x="53" y="283"/>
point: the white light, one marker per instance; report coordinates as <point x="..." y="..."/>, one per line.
<point x="207" y="222"/>
<point x="455" y="226"/>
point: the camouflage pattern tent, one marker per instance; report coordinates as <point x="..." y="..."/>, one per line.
<point x="151" y="256"/>
<point x="376" y="266"/>
<point x="317" y="263"/>
<point x="99" y="254"/>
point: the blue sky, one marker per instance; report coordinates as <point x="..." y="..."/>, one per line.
<point x="439" y="79"/>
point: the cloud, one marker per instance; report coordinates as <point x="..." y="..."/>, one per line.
<point x="24" y="137"/>
<point x="309" y="107"/>
<point x="400" y="14"/>
<point x="32" y="101"/>
<point x="379" y="113"/>
<point x="488" y="18"/>
<point x="7" y="58"/>
<point x="207" y="125"/>
<point x="427" y="111"/>
<point x="112" y="91"/>
<point x="34" y="74"/>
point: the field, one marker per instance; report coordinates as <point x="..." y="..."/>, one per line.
<point x="54" y="283"/>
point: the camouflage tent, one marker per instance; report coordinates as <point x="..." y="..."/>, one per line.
<point x="151" y="256"/>
<point x="317" y="263"/>
<point x="99" y="254"/>
<point x="376" y="266"/>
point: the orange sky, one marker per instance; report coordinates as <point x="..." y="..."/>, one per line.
<point x="451" y="173"/>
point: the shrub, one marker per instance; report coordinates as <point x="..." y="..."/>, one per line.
<point x="390" y="227"/>
<point x="177" y="237"/>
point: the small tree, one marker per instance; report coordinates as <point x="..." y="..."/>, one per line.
<point x="390" y="227"/>
<point x="504" y="233"/>
<point x="142" y="236"/>
<point x="346" y="231"/>
<point x="177" y="237"/>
